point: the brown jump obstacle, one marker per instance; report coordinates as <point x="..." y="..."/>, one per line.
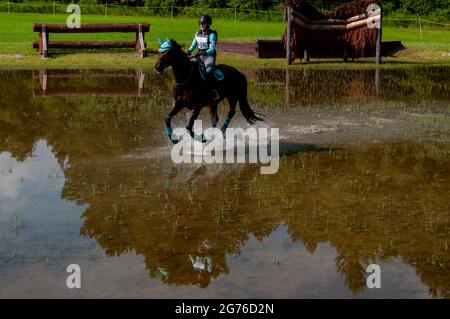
<point x="353" y="30"/>
<point x="43" y="43"/>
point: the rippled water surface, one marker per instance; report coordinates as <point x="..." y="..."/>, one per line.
<point x="86" y="178"/>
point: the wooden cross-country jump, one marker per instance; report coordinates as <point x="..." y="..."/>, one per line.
<point x="43" y="44"/>
<point x="353" y="30"/>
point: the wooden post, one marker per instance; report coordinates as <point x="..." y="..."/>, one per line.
<point x="106" y="9"/>
<point x="379" y="39"/>
<point x="140" y="45"/>
<point x="40" y="42"/>
<point x="171" y="11"/>
<point x="43" y="79"/>
<point x="420" y="27"/>
<point x="289" y="36"/>
<point x="44" y="40"/>
<point x="306" y="55"/>
<point x="141" y="77"/>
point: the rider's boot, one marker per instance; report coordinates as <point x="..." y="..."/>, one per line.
<point x="212" y="83"/>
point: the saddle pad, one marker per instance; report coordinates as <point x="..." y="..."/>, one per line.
<point x="202" y="69"/>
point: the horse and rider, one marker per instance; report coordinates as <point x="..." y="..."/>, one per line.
<point x="199" y="82"/>
<point x="205" y="40"/>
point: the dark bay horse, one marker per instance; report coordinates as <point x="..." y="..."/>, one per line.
<point x="191" y="91"/>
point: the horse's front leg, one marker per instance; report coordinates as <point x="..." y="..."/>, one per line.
<point x="194" y="115"/>
<point x="176" y="107"/>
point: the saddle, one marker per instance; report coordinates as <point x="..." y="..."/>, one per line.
<point x="218" y="75"/>
<point x="202" y="70"/>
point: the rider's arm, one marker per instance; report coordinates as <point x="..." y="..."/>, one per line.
<point x="212" y="44"/>
<point x="193" y="45"/>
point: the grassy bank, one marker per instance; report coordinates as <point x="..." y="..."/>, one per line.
<point x="432" y="47"/>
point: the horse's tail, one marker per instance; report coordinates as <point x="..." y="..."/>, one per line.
<point x="247" y="112"/>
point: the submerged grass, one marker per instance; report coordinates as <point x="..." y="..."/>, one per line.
<point x="15" y="223"/>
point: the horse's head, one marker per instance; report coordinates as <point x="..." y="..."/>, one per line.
<point x="168" y="52"/>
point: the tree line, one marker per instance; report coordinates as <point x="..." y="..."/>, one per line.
<point x="439" y="8"/>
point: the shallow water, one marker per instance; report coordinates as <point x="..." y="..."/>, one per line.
<point x="86" y="178"/>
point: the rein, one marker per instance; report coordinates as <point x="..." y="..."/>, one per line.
<point x="188" y="78"/>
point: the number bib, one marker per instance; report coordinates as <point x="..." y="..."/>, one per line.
<point x="202" y="42"/>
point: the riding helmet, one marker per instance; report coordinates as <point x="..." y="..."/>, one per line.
<point x="205" y="19"/>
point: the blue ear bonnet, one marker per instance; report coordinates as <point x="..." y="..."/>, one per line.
<point x="164" y="46"/>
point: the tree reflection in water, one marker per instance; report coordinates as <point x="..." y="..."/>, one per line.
<point x="371" y="202"/>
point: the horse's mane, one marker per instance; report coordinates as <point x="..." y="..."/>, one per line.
<point x="175" y="45"/>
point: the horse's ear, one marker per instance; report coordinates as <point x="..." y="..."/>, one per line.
<point x="160" y="41"/>
<point x="169" y="40"/>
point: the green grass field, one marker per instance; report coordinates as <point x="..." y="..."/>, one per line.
<point x="16" y="36"/>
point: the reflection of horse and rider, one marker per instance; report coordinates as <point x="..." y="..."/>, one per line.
<point x="199" y="82"/>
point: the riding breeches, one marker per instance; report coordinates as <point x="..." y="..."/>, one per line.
<point x="209" y="62"/>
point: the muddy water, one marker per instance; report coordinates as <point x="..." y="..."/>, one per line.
<point x="86" y="178"/>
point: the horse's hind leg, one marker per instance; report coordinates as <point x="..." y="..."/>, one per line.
<point x="214" y="116"/>
<point x="232" y="101"/>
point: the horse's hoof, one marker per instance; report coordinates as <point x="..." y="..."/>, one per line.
<point x="200" y="138"/>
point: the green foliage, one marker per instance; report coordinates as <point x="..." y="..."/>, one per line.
<point x="438" y="10"/>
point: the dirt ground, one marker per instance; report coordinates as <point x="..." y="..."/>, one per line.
<point x="242" y="48"/>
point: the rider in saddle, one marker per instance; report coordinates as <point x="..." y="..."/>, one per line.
<point x="205" y="40"/>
